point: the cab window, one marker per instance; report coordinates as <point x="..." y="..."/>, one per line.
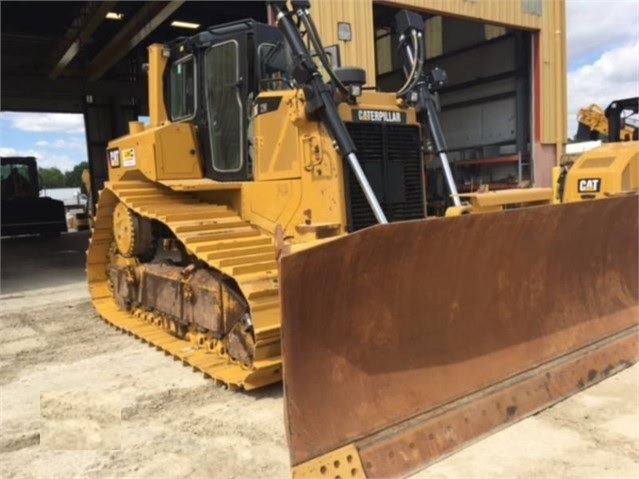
<point x="224" y="106"/>
<point x="182" y="82"/>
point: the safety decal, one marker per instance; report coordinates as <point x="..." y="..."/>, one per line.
<point x="265" y="105"/>
<point x="128" y="157"/>
<point x="113" y="157"/>
<point x="589" y="185"/>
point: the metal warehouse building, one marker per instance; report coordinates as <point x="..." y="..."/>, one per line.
<point x="504" y="109"/>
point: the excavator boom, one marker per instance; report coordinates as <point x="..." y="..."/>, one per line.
<point x="404" y="342"/>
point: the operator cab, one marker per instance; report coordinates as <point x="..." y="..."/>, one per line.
<point x="19" y="177"/>
<point x="211" y="81"/>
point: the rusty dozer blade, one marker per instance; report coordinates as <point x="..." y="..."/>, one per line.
<point x="404" y="342"/>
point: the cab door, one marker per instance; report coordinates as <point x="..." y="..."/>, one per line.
<point x="223" y="117"/>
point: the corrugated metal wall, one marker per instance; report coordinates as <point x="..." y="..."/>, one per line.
<point x="506" y="12"/>
<point x="553" y="71"/>
<point x="359" y="13"/>
<point x="546" y="16"/>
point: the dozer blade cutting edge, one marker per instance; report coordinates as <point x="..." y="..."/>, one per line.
<point x="404" y="342"/>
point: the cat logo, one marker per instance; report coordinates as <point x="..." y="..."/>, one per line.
<point x="589" y="185"/>
<point x="113" y="157"/>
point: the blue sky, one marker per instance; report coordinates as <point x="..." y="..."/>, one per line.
<point x="603" y="65"/>
<point x="54" y="139"/>
<point x="603" y="53"/>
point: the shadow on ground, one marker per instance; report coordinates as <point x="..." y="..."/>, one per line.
<point x="34" y="262"/>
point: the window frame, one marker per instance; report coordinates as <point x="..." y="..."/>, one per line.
<point x="238" y="98"/>
<point x="184" y="59"/>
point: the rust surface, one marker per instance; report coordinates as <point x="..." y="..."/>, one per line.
<point x="191" y="296"/>
<point x="397" y="320"/>
<point x="202" y="303"/>
<point x="423" y="440"/>
<point x="161" y="289"/>
<point x="232" y="243"/>
<point x="125" y="291"/>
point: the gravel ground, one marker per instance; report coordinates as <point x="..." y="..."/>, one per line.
<point x="80" y="399"/>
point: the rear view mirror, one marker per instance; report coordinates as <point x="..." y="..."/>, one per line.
<point x="276" y="60"/>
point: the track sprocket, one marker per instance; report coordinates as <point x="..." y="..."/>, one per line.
<point x="133" y="234"/>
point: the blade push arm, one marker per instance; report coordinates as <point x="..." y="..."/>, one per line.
<point x="319" y="100"/>
<point x="418" y="91"/>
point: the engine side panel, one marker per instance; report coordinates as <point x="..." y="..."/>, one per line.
<point x="609" y="169"/>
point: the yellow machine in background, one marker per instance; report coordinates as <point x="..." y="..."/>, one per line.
<point x="86" y="181"/>
<point x="593" y="122"/>
<point x="84" y="219"/>
<point x="269" y="224"/>
<point x="607" y="170"/>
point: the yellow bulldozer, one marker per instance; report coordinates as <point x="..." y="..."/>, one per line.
<point x="594" y="122"/>
<point x="611" y="168"/>
<point x="269" y="223"/>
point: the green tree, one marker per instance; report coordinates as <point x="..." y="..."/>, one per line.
<point x="73" y="178"/>
<point x="51" y="178"/>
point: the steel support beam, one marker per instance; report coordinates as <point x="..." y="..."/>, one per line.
<point x="31" y="93"/>
<point x="42" y="105"/>
<point x="30" y="86"/>
<point x="522" y="90"/>
<point x="47" y="104"/>
<point x="79" y="33"/>
<point x="104" y="119"/>
<point x="150" y="16"/>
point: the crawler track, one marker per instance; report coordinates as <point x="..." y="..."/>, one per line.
<point x="216" y="235"/>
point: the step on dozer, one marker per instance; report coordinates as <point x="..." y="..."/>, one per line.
<point x="404" y="342"/>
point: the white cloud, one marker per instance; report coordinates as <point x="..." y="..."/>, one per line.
<point x="594" y="25"/>
<point x="603" y="44"/>
<point x="43" y="157"/>
<point x="62" y="162"/>
<point x="73" y="144"/>
<point x="45" y="122"/>
<point x="8" y="151"/>
<point x="615" y="75"/>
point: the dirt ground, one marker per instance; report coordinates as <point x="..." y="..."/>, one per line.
<point x="82" y="400"/>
